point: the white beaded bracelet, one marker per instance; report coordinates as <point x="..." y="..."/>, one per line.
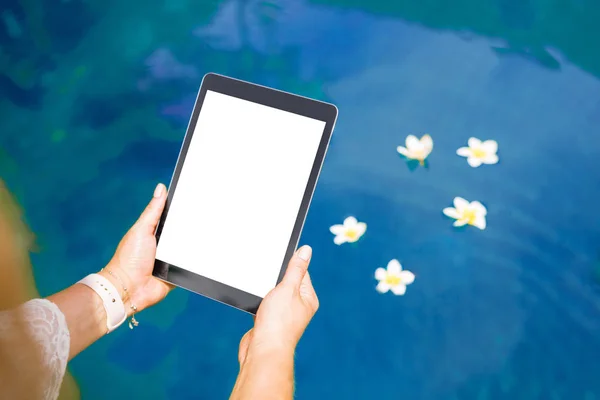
<point x="111" y="299"/>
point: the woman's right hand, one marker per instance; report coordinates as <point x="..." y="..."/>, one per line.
<point x="284" y="313"/>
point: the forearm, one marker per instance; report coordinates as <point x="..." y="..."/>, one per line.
<point x="266" y="374"/>
<point x="85" y="315"/>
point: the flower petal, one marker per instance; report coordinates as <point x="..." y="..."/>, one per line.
<point x="460" y="222"/>
<point x="474" y="162"/>
<point x="360" y="228"/>
<point x="399" y="290"/>
<point x="460" y="204"/>
<point x="407" y="277"/>
<point x="412" y="142"/>
<point x="474" y="143"/>
<point x="464" y="152"/>
<point x="427" y="143"/>
<point x="480" y="222"/>
<point x="490" y="159"/>
<point x="490" y="146"/>
<point x="394" y="267"/>
<point x="478" y="207"/>
<point x="380" y="274"/>
<point x="339" y="239"/>
<point x="451" y="212"/>
<point x="350" y="222"/>
<point x="402" y="150"/>
<point x="382" y="287"/>
<point x="337" y="229"/>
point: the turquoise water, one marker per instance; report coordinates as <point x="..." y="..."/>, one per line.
<point x="95" y="99"/>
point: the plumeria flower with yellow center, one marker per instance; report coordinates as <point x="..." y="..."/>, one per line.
<point x="417" y="149"/>
<point x="393" y="278"/>
<point x="479" y="152"/>
<point x="349" y="232"/>
<point x="466" y="213"/>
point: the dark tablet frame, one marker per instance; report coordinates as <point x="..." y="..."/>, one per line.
<point x="269" y="97"/>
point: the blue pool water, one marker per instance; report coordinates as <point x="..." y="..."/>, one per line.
<point x="95" y="99"/>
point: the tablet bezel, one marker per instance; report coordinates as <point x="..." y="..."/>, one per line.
<point x="285" y="101"/>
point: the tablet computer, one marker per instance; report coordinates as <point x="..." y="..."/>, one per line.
<point x="241" y="189"/>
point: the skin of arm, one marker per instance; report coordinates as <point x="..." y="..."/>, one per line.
<point x="84" y="313"/>
<point x="266" y="374"/>
<point x="266" y="352"/>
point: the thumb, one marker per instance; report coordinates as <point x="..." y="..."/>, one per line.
<point x="298" y="266"/>
<point x="244" y="344"/>
<point x="151" y="215"/>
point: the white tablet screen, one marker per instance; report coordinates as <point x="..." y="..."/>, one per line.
<point x="239" y="192"/>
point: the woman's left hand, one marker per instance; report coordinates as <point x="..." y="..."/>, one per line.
<point x="133" y="261"/>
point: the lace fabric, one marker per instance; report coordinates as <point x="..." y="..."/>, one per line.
<point x="47" y="332"/>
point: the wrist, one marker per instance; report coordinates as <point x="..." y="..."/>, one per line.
<point x="267" y="373"/>
<point x="119" y="279"/>
<point x="106" y="298"/>
<point x="97" y="306"/>
<point x="271" y="351"/>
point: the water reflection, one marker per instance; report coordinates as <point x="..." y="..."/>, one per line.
<point x="511" y="311"/>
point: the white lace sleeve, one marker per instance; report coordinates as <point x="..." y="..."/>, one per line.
<point x="47" y="328"/>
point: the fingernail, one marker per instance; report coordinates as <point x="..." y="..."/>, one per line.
<point x="159" y="190"/>
<point x="304" y="253"/>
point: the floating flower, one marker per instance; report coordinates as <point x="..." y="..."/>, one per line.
<point x="466" y="213"/>
<point x="417" y="149"/>
<point x="350" y="231"/>
<point x="394" y="278"/>
<point x="479" y="152"/>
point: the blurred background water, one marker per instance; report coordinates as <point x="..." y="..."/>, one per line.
<point x="95" y="97"/>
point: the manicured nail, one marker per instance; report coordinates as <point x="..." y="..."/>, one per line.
<point x="158" y="192"/>
<point x="304" y="253"/>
